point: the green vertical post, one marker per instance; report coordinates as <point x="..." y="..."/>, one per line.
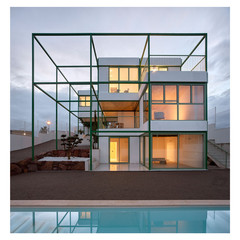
<point x="69" y="116"/>
<point x="56" y="109"/>
<point x="206" y="56"/>
<point x="32" y="97"/>
<point x="78" y="115"/>
<point x="149" y="107"/>
<point x="90" y="152"/>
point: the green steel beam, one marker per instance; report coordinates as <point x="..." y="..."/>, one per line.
<point x="112" y="82"/>
<point x="149" y="107"/>
<point x="90" y="152"/>
<point x="45" y="51"/>
<point x="69" y="113"/>
<point x="206" y="54"/>
<point x="67" y="81"/>
<point x="170" y="55"/>
<point x="33" y="98"/>
<point x="93" y="83"/>
<point x="51" y="59"/>
<point x="56" y="109"/>
<point x="118" y="34"/>
<point x="54" y="100"/>
<point x="193" y="50"/>
<point x="94" y="50"/>
<point x="143" y="52"/>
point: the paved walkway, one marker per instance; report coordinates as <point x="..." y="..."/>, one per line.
<point x="213" y="184"/>
<point x="18" y="155"/>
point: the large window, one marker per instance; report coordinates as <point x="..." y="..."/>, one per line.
<point x="123" y="74"/>
<point x="118" y="150"/>
<point x="178" y="151"/>
<point x="84" y="101"/>
<point x="164" y="154"/>
<point x="177" y="102"/>
<point x="191" y="151"/>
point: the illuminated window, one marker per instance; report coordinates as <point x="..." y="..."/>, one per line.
<point x="113" y="74"/>
<point x="191" y="112"/>
<point x="85" y="215"/>
<point x="158" y="68"/>
<point x="191" y="151"/>
<point x="197" y="94"/>
<point x="123" y="74"/>
<point x="170" y="94"/>
<point x="184" y="94"/>
<point x="84" y="101"/>
<point x="177" y="102"/>
<point x="157" y="93"/>
<point x="164" y="112"/>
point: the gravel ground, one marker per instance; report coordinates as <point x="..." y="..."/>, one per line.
<point x="213" y="184"/>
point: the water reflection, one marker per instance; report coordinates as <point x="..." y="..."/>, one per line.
<point x="121" y="220"/>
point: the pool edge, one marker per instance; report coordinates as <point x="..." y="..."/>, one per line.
<point x="116" y="203"/>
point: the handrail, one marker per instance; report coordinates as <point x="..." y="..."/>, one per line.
<point x="215" y="145"/>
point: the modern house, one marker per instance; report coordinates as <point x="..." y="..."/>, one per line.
<point x="149" y="110"/>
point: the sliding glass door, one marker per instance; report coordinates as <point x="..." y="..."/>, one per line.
<point x="118" y="150"/>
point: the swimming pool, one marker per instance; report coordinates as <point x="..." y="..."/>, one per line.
<point x="200" y="219"/>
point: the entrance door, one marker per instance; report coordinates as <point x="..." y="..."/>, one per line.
<point x="118" y="150"/>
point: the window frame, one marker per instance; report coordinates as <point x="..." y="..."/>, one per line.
<point x="204" y="103"/>
<point x="84" y="101"/>
<point x="119" y="81"/>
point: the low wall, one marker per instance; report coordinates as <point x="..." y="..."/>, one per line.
<point x="220" y="135"/>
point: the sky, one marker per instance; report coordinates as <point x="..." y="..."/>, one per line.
<point x="25" y="21"/>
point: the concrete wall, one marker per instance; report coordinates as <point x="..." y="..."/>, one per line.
<point x="178" y="125"/>
<point x="177" y="76"/>
<point x="134" y="149"/>
<point x="104" y="149"/>
<point x="220" y="135"/>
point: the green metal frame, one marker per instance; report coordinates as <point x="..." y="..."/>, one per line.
<point x="92" y="83"/>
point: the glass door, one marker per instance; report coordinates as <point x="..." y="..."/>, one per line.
<point x="118" y="150"/>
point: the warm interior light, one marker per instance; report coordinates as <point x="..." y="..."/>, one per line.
<point x="48" y="122"/>
<point x="154" y="69"/>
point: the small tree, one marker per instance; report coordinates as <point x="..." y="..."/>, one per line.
<point x="43" y="129"/>
<point x="69" y="143"/>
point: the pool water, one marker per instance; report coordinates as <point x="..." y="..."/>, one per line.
<point x="200" y="219"/>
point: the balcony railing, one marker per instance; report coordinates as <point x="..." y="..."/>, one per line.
<point x="119" y="122"/>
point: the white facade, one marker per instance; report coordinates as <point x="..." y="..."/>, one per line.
<point x="173" y="75"/>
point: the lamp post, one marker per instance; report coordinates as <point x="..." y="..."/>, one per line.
<point x="48" y="123"/>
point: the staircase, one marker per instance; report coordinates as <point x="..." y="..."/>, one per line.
<point x="218" y="155"/>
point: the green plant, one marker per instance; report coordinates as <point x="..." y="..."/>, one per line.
<point x="69" y="143"/>
<point x="43" y="129"/>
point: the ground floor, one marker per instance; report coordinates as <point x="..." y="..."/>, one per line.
<point x="178" y="150"/>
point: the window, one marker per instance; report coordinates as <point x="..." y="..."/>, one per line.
<point x="191" y="104"/>
<point x="164" y="151"/>
<point x="84" y="101"/>
<point x="178" y="151"/>
<point x="184" y="94"/>
<point x="191" y="151"/>
<point x="158" y="68"/>
<point x="123" y="74"/>
<point x="177" y="102"/>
